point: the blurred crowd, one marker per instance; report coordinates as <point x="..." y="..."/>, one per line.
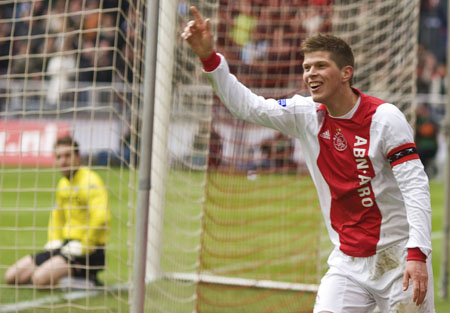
<point x="261" y="41"/>
<point x="67" y="40"/>
<point x="431" y="84"/>
<point x="62" y="41"/>
<point x="40" y="36"/>
<point x="432" y="47"/>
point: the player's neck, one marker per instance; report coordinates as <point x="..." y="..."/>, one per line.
<point x="342" y="103"/>
<point x="72" y="174"/>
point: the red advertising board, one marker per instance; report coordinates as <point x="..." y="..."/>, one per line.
<point x="29" y="142"/>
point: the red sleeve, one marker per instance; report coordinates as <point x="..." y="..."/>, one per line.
<point x="211" y="62"/>
<point x="414" y="254"/>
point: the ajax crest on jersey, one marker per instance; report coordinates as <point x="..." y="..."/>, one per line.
<point x="339" y="141"/>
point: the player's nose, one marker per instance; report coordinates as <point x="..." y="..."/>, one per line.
<point x="312" y="71"/>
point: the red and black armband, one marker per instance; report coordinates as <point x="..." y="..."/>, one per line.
<point x="402" y="154"/>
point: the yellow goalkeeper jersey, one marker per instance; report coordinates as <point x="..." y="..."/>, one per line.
<point x="82" y="213"/>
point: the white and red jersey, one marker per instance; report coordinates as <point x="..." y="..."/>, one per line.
<point x="372" y="187"/>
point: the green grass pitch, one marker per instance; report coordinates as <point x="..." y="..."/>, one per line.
<point x="25" y="200"/>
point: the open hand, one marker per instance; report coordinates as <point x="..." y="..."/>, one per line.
<point x="417" y="271"/>
<point x="199" y="35"/>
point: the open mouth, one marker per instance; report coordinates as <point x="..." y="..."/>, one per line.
<point x="315" y="85"/>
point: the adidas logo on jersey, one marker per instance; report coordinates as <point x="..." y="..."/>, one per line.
<point x="325" y="134"/>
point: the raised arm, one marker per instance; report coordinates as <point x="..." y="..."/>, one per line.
<point x="240" y="100"/>
<point x="199" y="35"/>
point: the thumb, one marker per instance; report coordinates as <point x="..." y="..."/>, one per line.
<point x="405" y="281"/>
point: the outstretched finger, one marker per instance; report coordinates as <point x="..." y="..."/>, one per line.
<point x="197" y="16"/>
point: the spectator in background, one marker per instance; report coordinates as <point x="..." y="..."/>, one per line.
<point x="104" y="61"/>
<point x="75" y="8"/>
<point x="56" y="20"/>
<point x="18" y="63"/>
<point x="5" y="43"/>
<point x="425" y="68"/>
<point x="78" y="227"/>
<point x="277" y="152"/>
<point x="426" y="137"/>
<point x="91" y="20"/>
<point x="60" y="70"/>
<point x="125" y="62"/>
<point x="438" y="83"/>
<point x="87" y="60"/>
<point x="215" y="149"/>
<point x="432" y="28"/>
<point x="244" y="24"/>
<point x="108" y="31"/>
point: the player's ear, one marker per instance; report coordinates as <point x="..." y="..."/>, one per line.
<point x="347" y="73"/>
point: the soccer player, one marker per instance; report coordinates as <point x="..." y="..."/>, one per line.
<point x="360" y="151"/>
<point x="78" y="226"/>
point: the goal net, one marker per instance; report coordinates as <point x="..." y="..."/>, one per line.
<point x="234" y="221"/>
<point x="68" y="68"/>
<point x="242" y="225"/>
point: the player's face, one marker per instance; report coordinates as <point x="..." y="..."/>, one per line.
<point x="322" y="76"/>
<point x="66" y="160"/>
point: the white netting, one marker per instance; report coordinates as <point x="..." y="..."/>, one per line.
<point x="241" y="229"/>
<point x="68" y="67"/>
<point x="242" y="226"/>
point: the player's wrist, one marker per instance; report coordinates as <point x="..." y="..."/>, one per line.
<point x="211" y="62"/>
<point x="414" y="254"/>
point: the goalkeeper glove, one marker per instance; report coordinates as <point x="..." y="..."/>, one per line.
<point x="53" y="244"/>
<point x="72" y="249"/>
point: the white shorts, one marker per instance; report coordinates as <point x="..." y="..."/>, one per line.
<point x="359" y="285"/>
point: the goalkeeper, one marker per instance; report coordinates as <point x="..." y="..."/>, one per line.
<point x="360" y="151"/>
<point x="78" y="227"/>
